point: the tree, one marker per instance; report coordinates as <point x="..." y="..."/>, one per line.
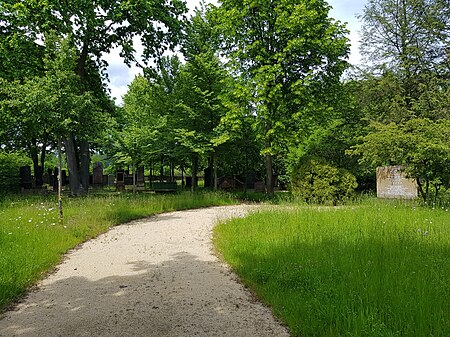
<point x="95" y="28"/>
<point x="407" y="35"/>
<point x="50" y="106"/>
<point x="144" y="135"/>
<point x="421" y="146"/>
<point x="201" y="83"/>
<point x="404" y="90"/>
<point x="411" y="39"/>
<point x="289" y="53"/>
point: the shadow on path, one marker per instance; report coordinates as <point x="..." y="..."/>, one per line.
<point x="179" y="297"/>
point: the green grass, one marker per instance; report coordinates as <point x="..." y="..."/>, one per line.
<point x="32" y="240"/>
<point x="372" y="269"/>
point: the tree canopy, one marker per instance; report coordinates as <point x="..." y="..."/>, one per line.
<point x="255" y="89"/>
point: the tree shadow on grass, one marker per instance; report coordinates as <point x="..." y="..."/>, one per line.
<point x="367" y="288"/>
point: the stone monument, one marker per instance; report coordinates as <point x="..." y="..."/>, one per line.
<point x="392" y="183"/>
<point x="97" y="178"/>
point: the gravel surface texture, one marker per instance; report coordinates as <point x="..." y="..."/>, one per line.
<point x="153" y="277"/>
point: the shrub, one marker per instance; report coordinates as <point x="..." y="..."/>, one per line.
<point x="10" y="171"/>
<point x="316" y="181"/>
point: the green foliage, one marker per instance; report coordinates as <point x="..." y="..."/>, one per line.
<point x="409" y="36"/>
<point x="10" y="164"/>
<point x="316" y="181"/>
<point x="93" y="28"/>
<point x="290" y="55"/>
<point x="370" y="269"/>
<point x="422" y="146"/>
<point x="405" y="90"/>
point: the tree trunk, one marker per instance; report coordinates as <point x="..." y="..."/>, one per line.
<point x="161" y="170"/>
<point x="151" y="174"/>
<point x="209" y="176"/>
<point x="133" y="172"/>
<point x="85" y="158"/>
<point x="74" y="180"/>
<point x="172" y="171"/>
<point x="194" y="172"/>
<point x="60" y="208"/>
<point x="34" y="158"/>
<point x="40" y="176"/>
<point x="269" y="174"/>
<point x="38" y="170"/>
<point x="215" y="173"/>
<point x="182" y="177"/>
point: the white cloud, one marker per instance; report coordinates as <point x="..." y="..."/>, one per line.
<point x="121" y="75"/>
<point x="346" y="11"/>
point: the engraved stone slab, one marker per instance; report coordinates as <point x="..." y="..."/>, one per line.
<point x="393" y="184"/>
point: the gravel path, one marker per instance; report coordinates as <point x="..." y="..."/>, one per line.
<point x="153" y="277"/>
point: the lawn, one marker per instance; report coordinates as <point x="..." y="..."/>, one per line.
<point x="32" y="240"/>
<point x="372" y="269"/>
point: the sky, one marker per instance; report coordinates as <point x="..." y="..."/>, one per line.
<point x="120" y="76"/>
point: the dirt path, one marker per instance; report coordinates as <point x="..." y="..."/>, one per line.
<point x="153" y="277"/>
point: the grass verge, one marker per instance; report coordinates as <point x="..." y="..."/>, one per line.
<point x="32" y="240"/>
<point x="373" y="269"/>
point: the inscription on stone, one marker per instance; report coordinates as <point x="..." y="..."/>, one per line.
<point x="392" y="183"/>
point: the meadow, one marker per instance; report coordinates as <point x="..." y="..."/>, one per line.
<point x="33" y="240"/>
<point x="375" y="268"/>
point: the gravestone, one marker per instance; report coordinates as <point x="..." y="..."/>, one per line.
<point x="140" y="181"/>
<point x="250" y="179"/>
<point x="51" y="178"/>
<point x="55" y="179"/>
<point x="46" y="178"/>
<point x="97" y="176"/>
<point x="65" y="177"/>
<point x="188" y="182"/>
<point x="38" y="176"/>
<point x="393" y="184"/>
<point x="260" y="186"/>
<point x="26" y="180"/>
<point x="128" y="180"/>
<point x="120" y="179"/>
<point x="111" y="179"/>
<point x="207" y="173"/>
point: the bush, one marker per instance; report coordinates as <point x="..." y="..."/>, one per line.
<point x="10" y="171"/>
<point x="316" y="181"/>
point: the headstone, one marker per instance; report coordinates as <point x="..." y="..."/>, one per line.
<point x="226" y="184"/>
<point x="111" y="179"/>
<point x="393" y="184"/>
<point x="128" y="180"/>
<point x="55" y="179"/>
<point x="97" y="177"/>
<point x="207" y="173"/>
<point x="120" y="179"/>
<point x="65" y="178"/>
<point x="105" y="180"/>
<point x="260" y="186"/>
<point x="250" y="179"/>
<point x="188" y="182"/>
<point x="46" y="178"/>
<point x="26" y="180"/>
<point x="50" y="177"/>
<point x="140" y="180"/>
<point x="38" y="176"/>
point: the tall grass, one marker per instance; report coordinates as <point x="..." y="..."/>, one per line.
<point x="373" y="269"/>
<point x="32" y="240"/>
